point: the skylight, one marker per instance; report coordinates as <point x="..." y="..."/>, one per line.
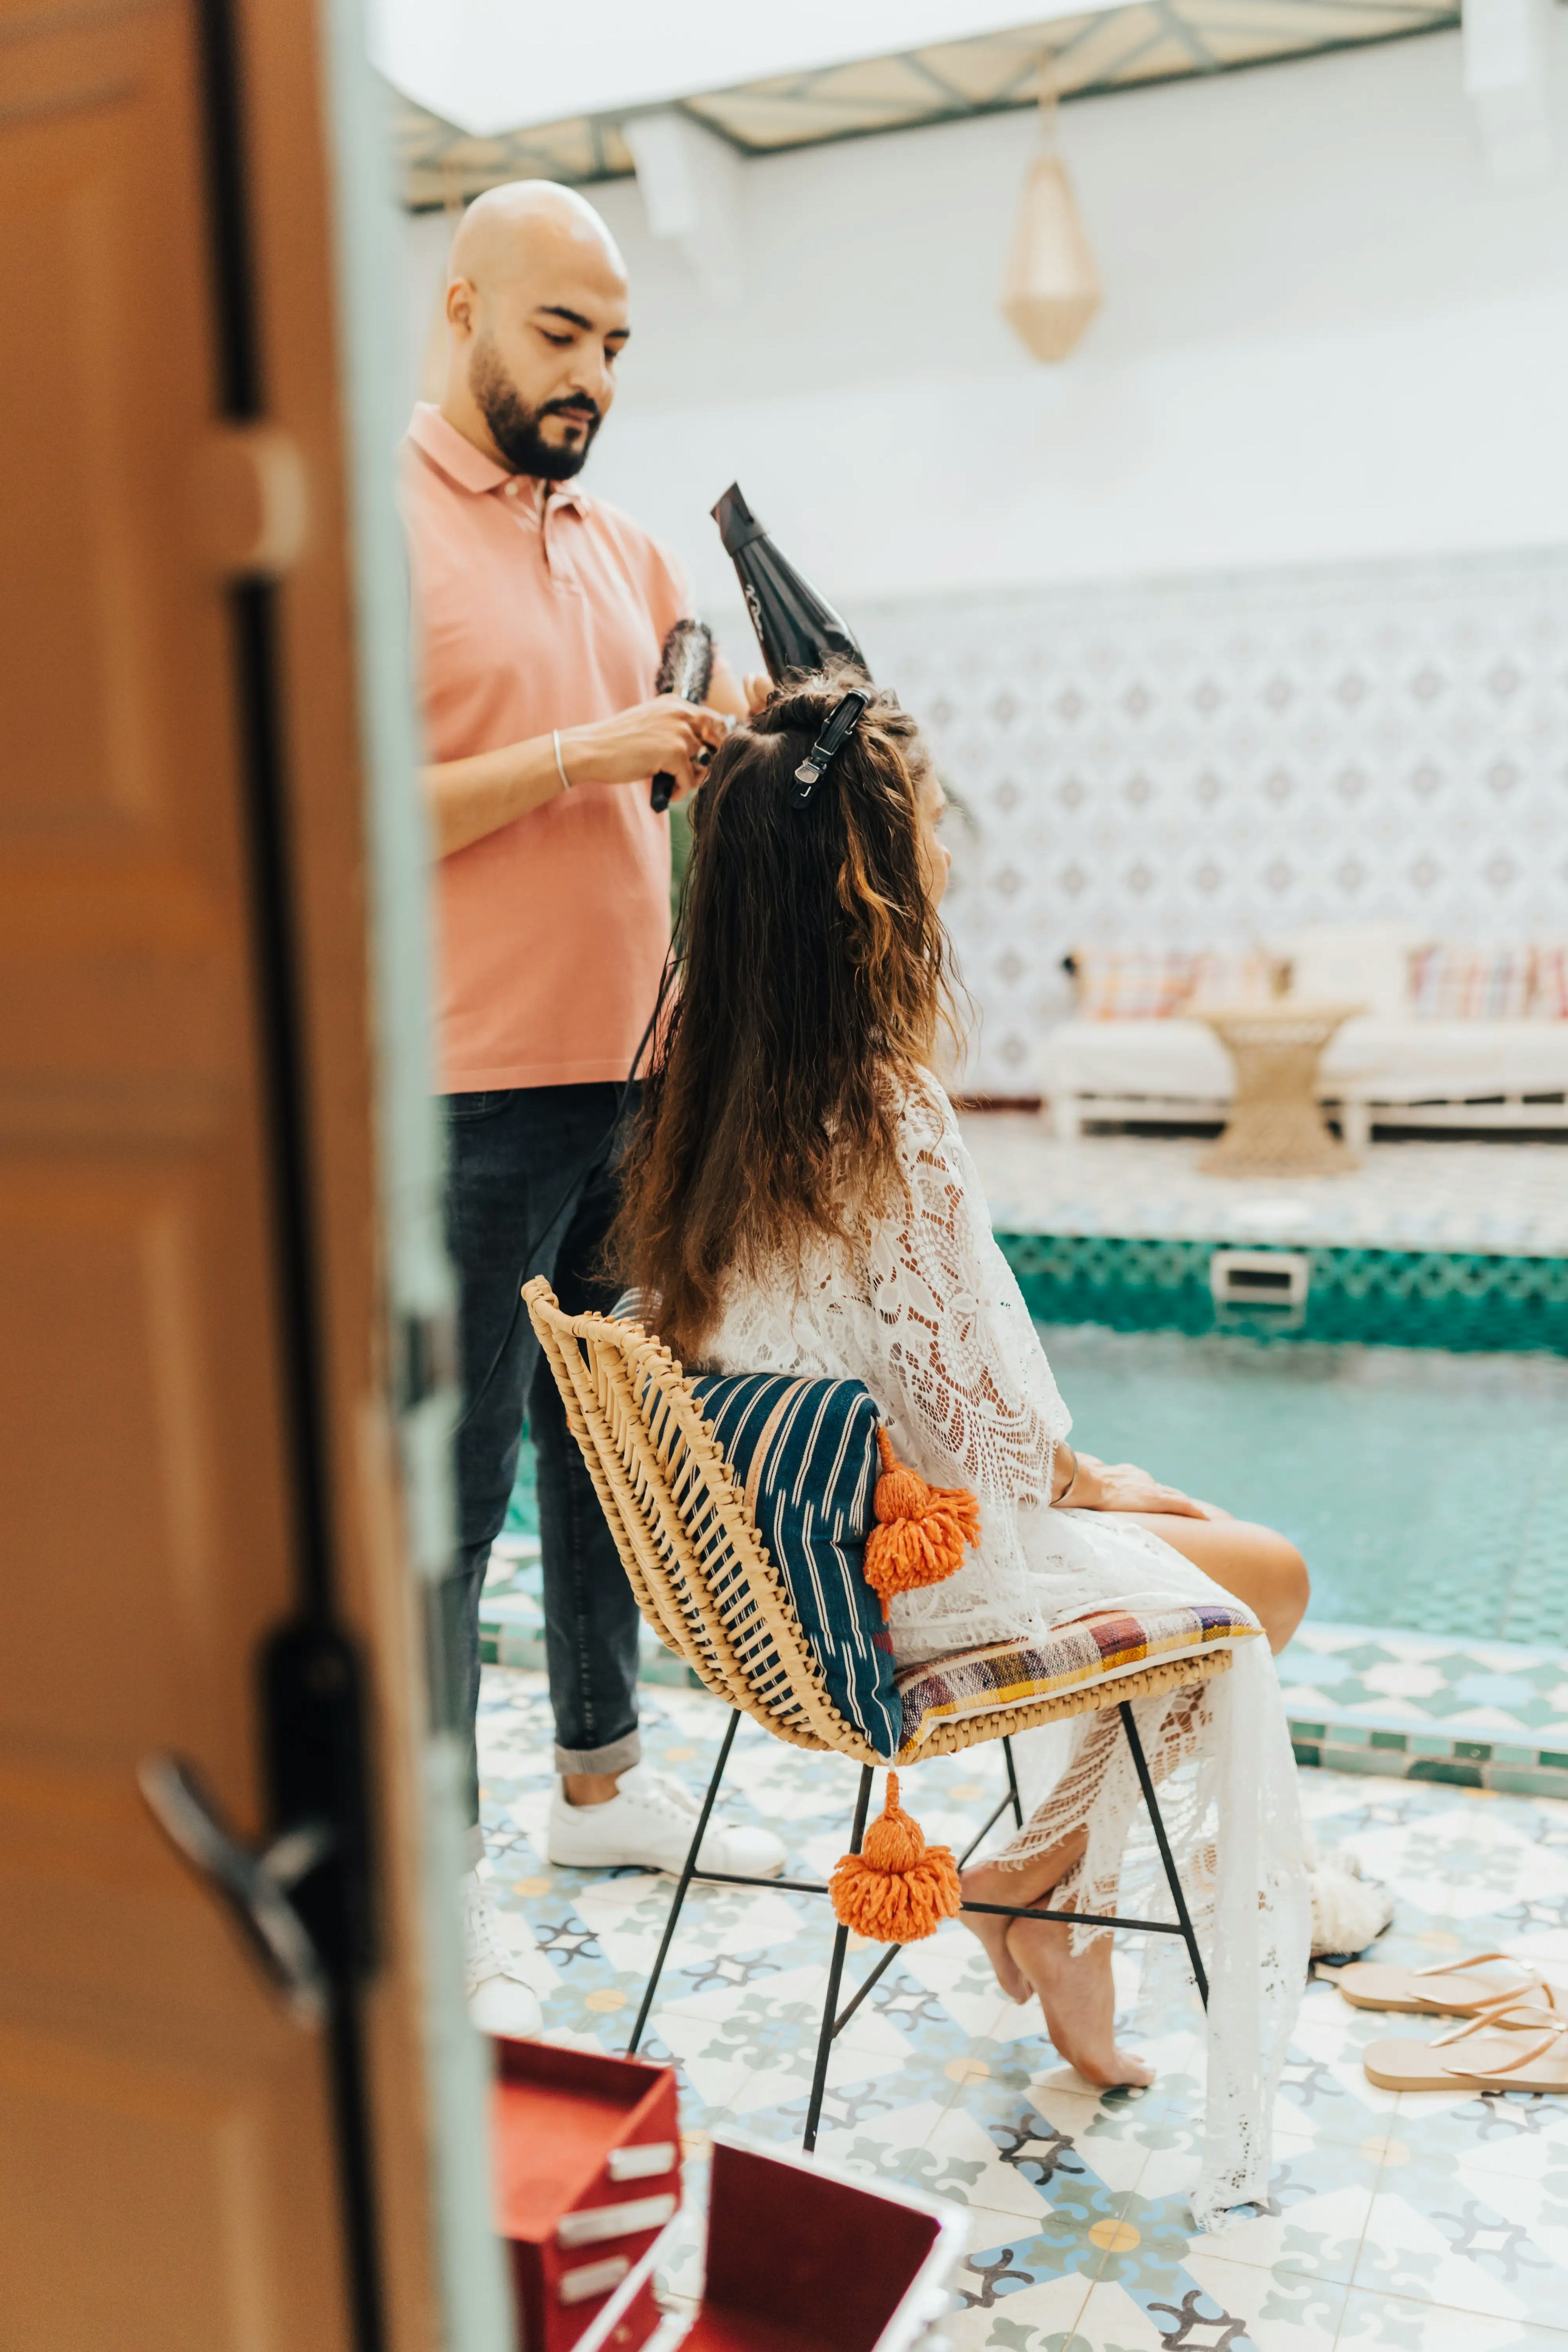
<point x="490" y="66"/>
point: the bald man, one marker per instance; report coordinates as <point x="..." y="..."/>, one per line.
<point x="542" y="614"/>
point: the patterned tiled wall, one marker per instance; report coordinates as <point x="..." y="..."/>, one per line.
<point x="1217" y="760"/>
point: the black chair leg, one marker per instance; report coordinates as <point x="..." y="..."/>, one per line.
<point x="834" y="1978"/>
<point x="690" y="1864"/>
<point x="831" y="2020"/>
<point x="1145" y="1782"/>
<point x="1012" y="1779"/>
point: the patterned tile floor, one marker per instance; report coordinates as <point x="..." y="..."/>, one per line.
<point x="1417" y="2223"/>
<point x="1505" y="1197"/>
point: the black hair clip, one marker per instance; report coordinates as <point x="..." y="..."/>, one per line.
<point x="842" y="719"/>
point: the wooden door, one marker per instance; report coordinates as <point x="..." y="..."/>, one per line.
<point x="195" y="1440"/>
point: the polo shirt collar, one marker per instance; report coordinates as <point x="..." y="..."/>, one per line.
<point x="468" y="468"/>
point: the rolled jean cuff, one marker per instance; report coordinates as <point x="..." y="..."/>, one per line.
<point x="618" y="1757"/>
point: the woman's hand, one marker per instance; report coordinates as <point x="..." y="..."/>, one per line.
<point x="1121" y="1486"/>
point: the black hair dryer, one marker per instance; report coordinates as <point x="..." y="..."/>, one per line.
<point x="795" y="628"/>
<point x="685" y="669"/>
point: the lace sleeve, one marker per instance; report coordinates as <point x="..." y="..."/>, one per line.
<point x="969" y="1379"/>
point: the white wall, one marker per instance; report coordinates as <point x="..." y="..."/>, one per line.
<point x="1217" y="760"/>
<point x="1326" y="334"/>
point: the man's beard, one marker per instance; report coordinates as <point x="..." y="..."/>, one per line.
<point x="515" y="427"/>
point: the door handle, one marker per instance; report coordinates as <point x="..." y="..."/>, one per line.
<point x="249" y="501"/>
<point x="255" y="1882"/>
<point x="301" y="1897"/>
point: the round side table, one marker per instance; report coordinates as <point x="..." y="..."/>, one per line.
<point x="1275" y="1127"/>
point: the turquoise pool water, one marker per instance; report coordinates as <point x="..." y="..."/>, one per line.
<point x="1427" y="1491"/>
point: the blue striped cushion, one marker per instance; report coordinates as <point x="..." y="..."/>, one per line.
<point x="805" y="1454"/>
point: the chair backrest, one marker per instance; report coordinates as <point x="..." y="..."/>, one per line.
<point x="684" y="1532"/>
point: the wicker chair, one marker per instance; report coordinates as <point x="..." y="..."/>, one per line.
<point x="705" y="1583"/>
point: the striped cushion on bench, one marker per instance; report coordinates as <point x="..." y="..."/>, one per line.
<point x="1090" y="1649"/>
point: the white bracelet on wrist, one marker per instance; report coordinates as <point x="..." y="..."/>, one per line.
<point x="560" y="768"/>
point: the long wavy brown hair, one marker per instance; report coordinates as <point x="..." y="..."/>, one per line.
<point x="816" y="978"/>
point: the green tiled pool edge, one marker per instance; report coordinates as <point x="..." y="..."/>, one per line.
<point x="512" y="1633"/>
<point x="1429" y="1756"/>
<point x="1462" y="1301"/>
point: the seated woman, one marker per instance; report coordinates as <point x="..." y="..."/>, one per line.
<point x="798" y="1199"/>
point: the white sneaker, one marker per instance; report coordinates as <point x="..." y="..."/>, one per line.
<point x="650" y="1821"/>
<point x="498" y="2001"/>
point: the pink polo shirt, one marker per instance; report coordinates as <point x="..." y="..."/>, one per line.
<point x="551" y="931"/>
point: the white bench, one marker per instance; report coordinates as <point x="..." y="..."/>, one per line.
<point x="1382" y="1069"/>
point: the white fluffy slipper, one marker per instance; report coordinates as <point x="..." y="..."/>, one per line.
<point x="1349" y="1912"/>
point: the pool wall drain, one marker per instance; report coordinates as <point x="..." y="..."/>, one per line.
<point x="1464" y="1301"/>
<point x="1243" y="1283"/>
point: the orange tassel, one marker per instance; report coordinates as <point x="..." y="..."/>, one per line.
<point x="921" y="1530"/>
<point x="898" y="1888"/>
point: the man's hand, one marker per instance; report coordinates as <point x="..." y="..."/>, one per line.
<point x="665" y="737"/>
<point x="470" y="798"/>
<point x="1121" y="1487"/>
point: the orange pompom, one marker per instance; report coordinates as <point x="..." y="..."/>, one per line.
<point x="920" y="1532"/>
<point x="898" y="1888"/>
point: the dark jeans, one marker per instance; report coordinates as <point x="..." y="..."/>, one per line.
<point x="508" y="1154"/>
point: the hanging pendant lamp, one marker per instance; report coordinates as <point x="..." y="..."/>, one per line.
<point x="1051" y="286"/>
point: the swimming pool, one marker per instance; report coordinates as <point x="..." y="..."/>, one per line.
<point x="1427" y="1491"/>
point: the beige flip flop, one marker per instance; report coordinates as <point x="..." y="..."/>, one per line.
<point x="1446" y="1988"/>
<point x="1502" y="2054"/>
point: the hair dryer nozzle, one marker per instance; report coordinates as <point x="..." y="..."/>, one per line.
<point x="796" y="628"/>
<point x="738" y="526"/>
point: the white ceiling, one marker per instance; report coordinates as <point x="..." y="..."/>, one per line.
<point x="490" y="66"/>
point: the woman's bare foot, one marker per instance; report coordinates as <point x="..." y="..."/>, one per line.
<point x="1013" y="1883"/>
<point x="987" y="1883"/>
<point x="1078" y="1999"/>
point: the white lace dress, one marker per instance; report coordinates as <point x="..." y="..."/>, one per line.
<point x="929" y="1317"/>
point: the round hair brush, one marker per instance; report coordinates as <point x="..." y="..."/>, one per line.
<point x="686" y="668"/>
